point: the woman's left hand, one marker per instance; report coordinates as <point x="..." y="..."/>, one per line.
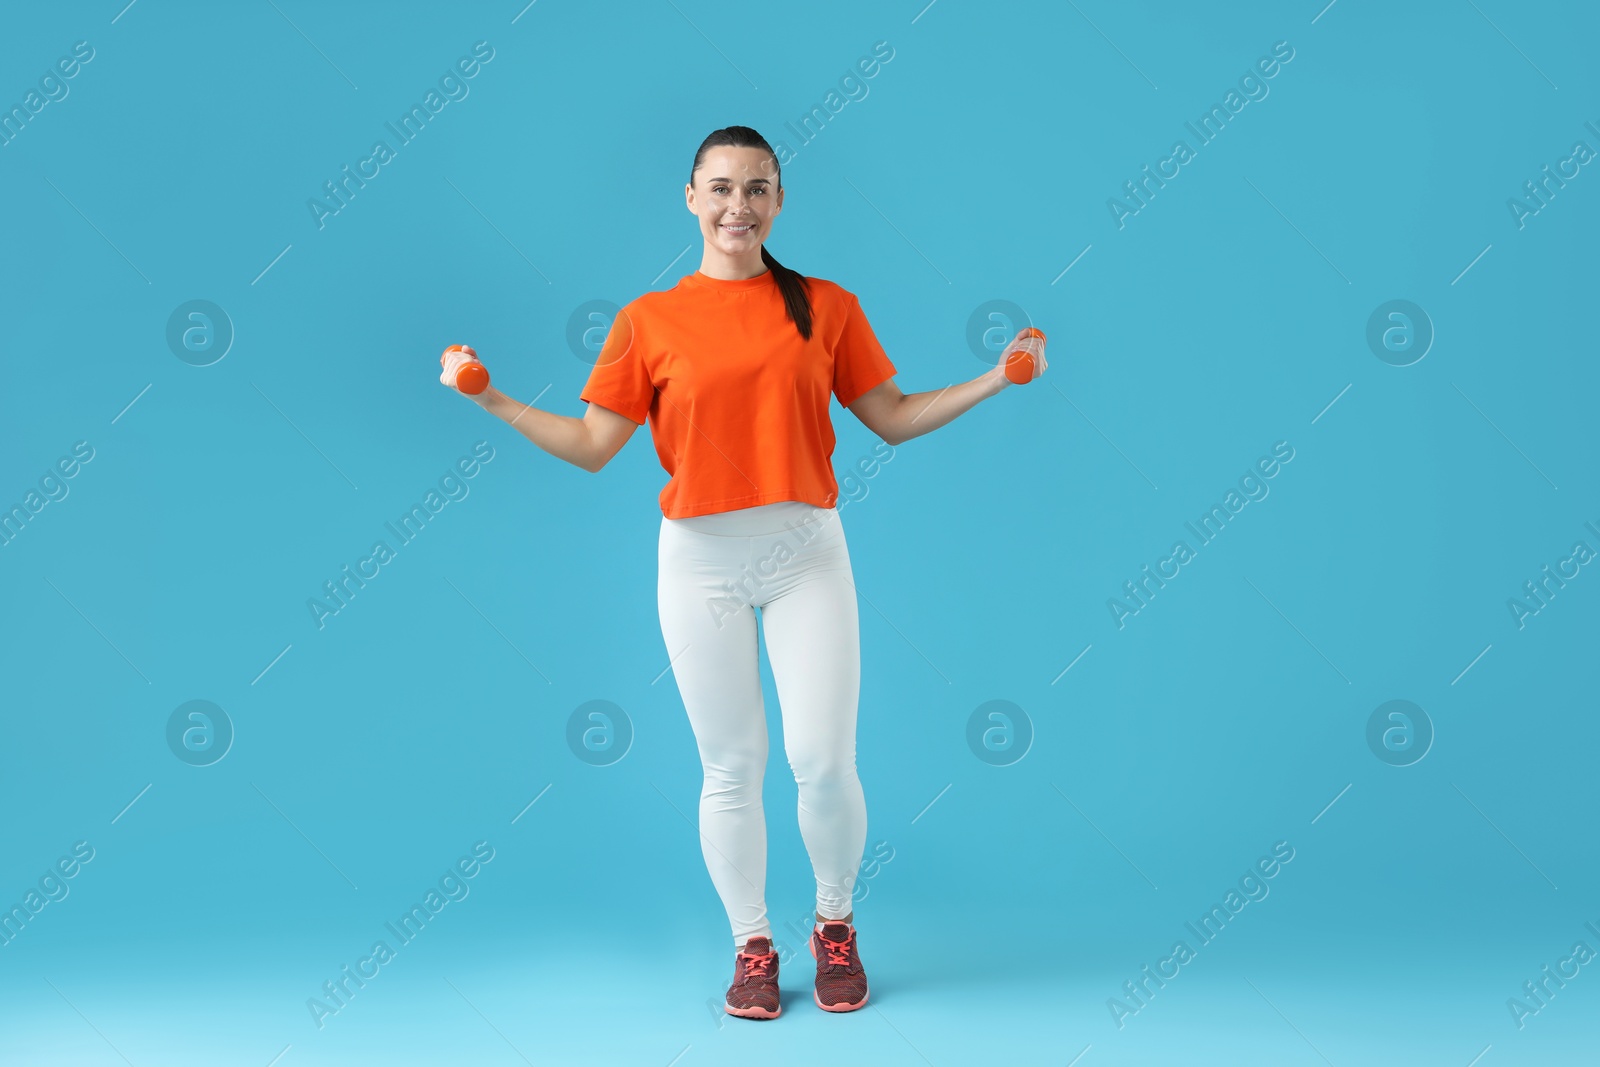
<point x="1026" y="347"/>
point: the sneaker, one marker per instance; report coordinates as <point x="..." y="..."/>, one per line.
<point x="841" y="981"/>
<point x="754" y="992"/>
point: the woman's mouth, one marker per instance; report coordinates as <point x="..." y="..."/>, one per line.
<point x="740" y="230"/>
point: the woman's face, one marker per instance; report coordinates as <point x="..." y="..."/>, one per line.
<point x="736" y="195"/>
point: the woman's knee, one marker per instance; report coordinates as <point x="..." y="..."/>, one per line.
<point x="824" y="771"/>
<point x="734" y="772"/>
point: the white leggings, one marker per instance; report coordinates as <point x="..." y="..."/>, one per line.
<point x="790" y="560"/>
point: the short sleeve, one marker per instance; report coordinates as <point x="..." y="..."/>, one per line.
<point x="859" y="361"/>
<point x="620" y="380"/>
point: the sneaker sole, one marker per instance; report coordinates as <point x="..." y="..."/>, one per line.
<point x="752" y="1013"/>
<point x="838" y="1007"/>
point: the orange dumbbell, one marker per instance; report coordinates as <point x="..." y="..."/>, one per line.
<point x="471" y="376"/>
<point x="1019" y="364"/>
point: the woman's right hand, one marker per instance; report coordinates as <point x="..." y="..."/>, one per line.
<point x="451" y="362"/>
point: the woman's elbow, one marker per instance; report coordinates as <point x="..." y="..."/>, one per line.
<point x="893" y="431"/>
<point x="594" y="460"/>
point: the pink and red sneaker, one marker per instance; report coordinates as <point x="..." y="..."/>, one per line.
<point x="754" y="992"/>
<point x="841" y="980"/>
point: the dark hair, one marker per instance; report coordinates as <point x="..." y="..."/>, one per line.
<point x="791" y="283"/>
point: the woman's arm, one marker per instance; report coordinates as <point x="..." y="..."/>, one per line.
<point x="897" y="417"/>
<point x="589" y="442"/>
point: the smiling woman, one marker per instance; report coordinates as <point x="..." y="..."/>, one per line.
<point x="735" y="368"/>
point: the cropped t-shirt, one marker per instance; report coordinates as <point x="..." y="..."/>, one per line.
<point x="737" y="401"/>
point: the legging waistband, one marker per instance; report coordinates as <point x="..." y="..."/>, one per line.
<point x="753" y="522"/>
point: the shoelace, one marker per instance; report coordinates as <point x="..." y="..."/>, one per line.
<point x="838" y="951"/>
<point x="758" y="966"/>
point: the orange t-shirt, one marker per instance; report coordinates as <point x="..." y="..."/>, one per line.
<point x="737" y="400"/>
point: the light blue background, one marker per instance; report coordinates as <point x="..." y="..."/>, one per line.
<point x="1227" y="315"/>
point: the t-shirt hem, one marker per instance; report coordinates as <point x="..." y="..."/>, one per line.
<point x="868" y="389"/>
<point x="686" y="511"/>
<point x="614" y="403"/>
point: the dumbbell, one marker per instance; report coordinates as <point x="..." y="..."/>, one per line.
<point x="471" y="376"/>
<point x="1019" y="364"/>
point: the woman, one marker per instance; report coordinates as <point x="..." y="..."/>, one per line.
<point x="733" y="367"/>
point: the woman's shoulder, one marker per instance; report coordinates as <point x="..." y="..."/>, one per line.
<point x="653" y="305"/>
<point x="828" y="289"/>
<point x="651" y="296"/>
